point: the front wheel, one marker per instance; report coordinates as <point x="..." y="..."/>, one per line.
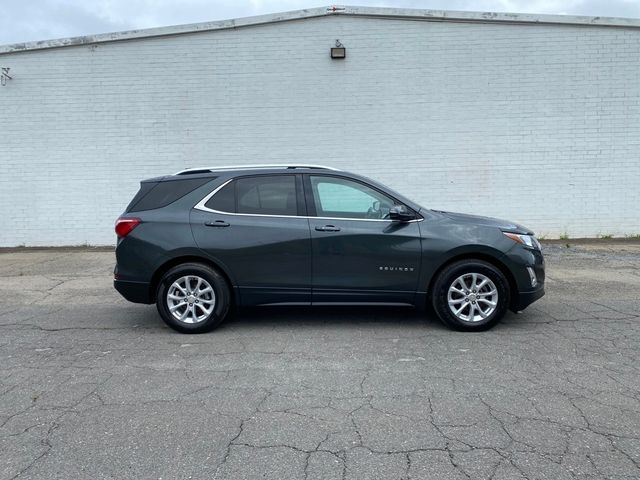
<point x="471" y="295"/>
<point x="193" y="298"/>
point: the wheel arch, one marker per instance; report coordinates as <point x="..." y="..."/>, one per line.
<point x="484" y="256"/>
<point x="174" y="262"/>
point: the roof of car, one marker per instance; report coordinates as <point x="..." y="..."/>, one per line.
<point x="233" y="168"/>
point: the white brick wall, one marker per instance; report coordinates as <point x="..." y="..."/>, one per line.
<point x="539" y="124"/>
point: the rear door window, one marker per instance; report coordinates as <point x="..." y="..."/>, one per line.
<point x="260" y="195"/>
<point x="224" y="200"/>
<point x="267" y="195"/>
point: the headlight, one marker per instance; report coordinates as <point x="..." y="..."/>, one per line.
<point x="528" y="240"/>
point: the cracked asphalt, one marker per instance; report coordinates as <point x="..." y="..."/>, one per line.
<point x="94" y="387"/>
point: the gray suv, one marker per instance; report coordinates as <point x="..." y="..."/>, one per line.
<point x="203" y="240"/>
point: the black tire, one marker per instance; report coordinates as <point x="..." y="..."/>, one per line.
<point x="446" y="279"/>
<point x="219" y="286"/>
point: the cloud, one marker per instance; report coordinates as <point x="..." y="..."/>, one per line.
<point x="27" y="20"/>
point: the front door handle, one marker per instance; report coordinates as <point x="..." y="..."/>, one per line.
<point x="328" y="228"/>
<point x="217" y="223"/>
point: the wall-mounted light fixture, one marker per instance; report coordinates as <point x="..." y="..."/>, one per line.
<point x="339" y="51"/>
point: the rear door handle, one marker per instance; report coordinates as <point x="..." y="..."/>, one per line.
<point x="217" y="223"/>
<point x="328" y="228"/>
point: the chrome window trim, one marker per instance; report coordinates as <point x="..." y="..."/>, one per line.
<point x="201" y="206"/>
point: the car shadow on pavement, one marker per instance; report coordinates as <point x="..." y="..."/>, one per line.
<point x="330" y="316"/>
<point x="291" y="318"/>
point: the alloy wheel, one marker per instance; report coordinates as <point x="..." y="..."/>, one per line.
<point x="472" y="297"/>
<point x="191" y="299"/>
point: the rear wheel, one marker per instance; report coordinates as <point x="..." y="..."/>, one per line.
<point x="471" y="295"/>
<point x="193" y="298"/>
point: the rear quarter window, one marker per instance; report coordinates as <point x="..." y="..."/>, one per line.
<point x="165" y="193"/>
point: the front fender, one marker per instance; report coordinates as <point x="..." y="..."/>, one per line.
<point x="444" y="242"/>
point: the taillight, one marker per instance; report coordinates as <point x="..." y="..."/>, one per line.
<point x="125" y="225"/>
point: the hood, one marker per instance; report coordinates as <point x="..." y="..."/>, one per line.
<point x="504" y="225"/>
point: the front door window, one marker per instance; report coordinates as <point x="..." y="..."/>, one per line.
<point x="342" y="198"/>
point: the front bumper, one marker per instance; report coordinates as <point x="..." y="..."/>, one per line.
<point x="524" y="260"/>
<point x="136" y="292"/>
<point x="524" y="299"/>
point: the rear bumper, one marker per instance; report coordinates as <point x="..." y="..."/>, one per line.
<point x="524" y="299"/>
<point x="136" y="292"/>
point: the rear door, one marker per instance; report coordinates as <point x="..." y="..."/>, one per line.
<point x="359" y="255"/>
<point x="255" y="226"/>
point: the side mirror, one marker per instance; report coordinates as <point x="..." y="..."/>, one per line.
<point x="400" y="213"/>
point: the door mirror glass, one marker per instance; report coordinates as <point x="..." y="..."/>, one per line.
<point x="400" y="213"/>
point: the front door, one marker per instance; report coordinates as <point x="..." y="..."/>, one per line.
<point x="254" y="226"/>
<point x="358" y="254"/>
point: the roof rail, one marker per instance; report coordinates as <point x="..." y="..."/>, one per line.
<point x="249" y="167"/>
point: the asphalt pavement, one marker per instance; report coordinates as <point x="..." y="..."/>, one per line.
<point x="93" y="387"/>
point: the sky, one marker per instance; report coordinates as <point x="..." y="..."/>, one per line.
<point x="28" y="20"/>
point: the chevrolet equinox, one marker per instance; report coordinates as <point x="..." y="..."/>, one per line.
<point x="205" y="239"/>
